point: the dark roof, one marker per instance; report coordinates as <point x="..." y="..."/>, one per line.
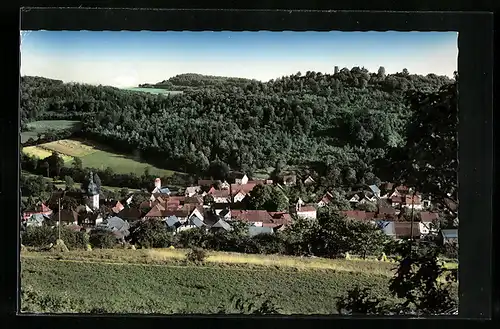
<point x="68" y="216"/>
<point x="130" y="214"/>
<point x="222" y="224"/>
<point x="116" y="223"/>
<point x="196" y="222"/>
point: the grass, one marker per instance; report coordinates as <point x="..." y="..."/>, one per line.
<point x="94" y="156"/>
<point x="171" y="287"/>
<point x="44" y="125"/>
<point x="159" y="281"/>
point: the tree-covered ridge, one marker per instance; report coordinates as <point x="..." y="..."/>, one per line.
<point x="195" y="80"/>
<point x="336" y="123"/>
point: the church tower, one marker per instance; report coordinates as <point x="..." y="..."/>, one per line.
<point x="93" y="193"/>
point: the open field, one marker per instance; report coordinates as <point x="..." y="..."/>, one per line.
<point x="94" y="157"/>
<point x="173" y="288"/>
<point x="155" y="91"/>
<point x="159" y="281"/>
<point x="44" y="125"/>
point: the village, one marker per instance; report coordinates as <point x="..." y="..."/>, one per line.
<point x="214" y="205"/>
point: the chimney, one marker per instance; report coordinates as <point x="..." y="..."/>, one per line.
<point x="158" y="183"/>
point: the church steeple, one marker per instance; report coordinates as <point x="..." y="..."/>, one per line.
<point x="93" y="192"/>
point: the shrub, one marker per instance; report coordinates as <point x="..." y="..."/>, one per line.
<point x="39" y="236"/>
<point x="102" y="238"/>
<point x="196" y="255"/>
<point x="150" y="234"/>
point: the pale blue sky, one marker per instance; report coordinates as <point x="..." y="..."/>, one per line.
<point x="126" y="58"/>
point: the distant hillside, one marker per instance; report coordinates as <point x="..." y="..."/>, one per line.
<point x="194" y="80"/>
<point x="336" y="123"/>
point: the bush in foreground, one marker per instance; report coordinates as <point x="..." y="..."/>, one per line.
<point x="196" y="255"/>
<point x="102" y="238"/>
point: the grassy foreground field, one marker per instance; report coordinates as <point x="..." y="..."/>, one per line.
<point x="159" y="281"/>
<point x="93" y="156"/>
<point x="44" y="125"/>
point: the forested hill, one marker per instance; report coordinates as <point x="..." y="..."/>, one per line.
<point x="194" y="80"/>
<point x="337" y="122"/>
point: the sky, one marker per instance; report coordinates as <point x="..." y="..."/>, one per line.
<point x="126" y="58"/>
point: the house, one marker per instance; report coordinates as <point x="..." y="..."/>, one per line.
<point x="130" y="214"/>
<point x="239" y="196"/>
<point x="375" y="190"/>
<point x="256" y="230"/>
<point x="41" y="209"/>
<point x="325" y="200"/>
<point x="360" y="215"/>
<point x="396" y="201"/>
<point x="90" y="219"/>
<point x="413" y="201"/>
<point x="387" y="210"/>
<point x="449" y="236"/>
<point x="354" y="198"/>
<point x="221" y="225"/>
<point x="114" y="206"/>
<point x="289" y="180"/>
<point x="254" y="217"/>
<point x="387" y="227"/>
<point x="306" y="211"/>
<point x="239" y="178"/>
<point x="279" y="219"/>
<point x="193" y="222"/>
<point x="194" y="200"/>
<point x="158" y="189"/>
<point x="37" y="220"/>
<point x="203" y="183"/>
<point x="404" y="230"/>
<point x="66" y="217"/>
<point x="247" y="188"/>
<point x="173" y="222"/>
<point x="220" y="196"/>
<point x="118" y="226"/>
<point x="309" y="181"/>
<point x="192" y="191"/>
<point x="386" y="187"/>
<point x="427" y="227"/>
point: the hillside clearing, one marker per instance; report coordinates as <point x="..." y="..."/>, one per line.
<point x="43" y="126"/>
<point x="93" y="156"/>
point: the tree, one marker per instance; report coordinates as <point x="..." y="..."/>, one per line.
<point x="55" y="163"/>
<point x="218" y="170"/>
<point x="428" y="161"/>
<point x="267" y="197"/>
<point x="415" y="283"/>
<point x="102" y="238"/>
<point x="97" y="181"/>
<point x="367" y="206"/>
<point x="77" y="163"/>
<point x="69" y="182"/>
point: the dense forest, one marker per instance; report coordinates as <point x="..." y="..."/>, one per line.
<point x="336" y="124"/>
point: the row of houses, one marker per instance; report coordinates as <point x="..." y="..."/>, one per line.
<point x="181" y="212"/>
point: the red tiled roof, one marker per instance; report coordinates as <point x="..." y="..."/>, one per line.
<point x="306" y="209"/>
<point x="219" y="193"/>
<point x="403" y="229"/>
<point x="243" y="187"/>
<point x="280" y="218"/>
<point x="402" y="188"/>
<point x="387" y="210"/>
<point x="252" y="216"/>
<point x="397" y="199"/>
<point x="427" y="216"/>
<point x="355" y="214"/>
